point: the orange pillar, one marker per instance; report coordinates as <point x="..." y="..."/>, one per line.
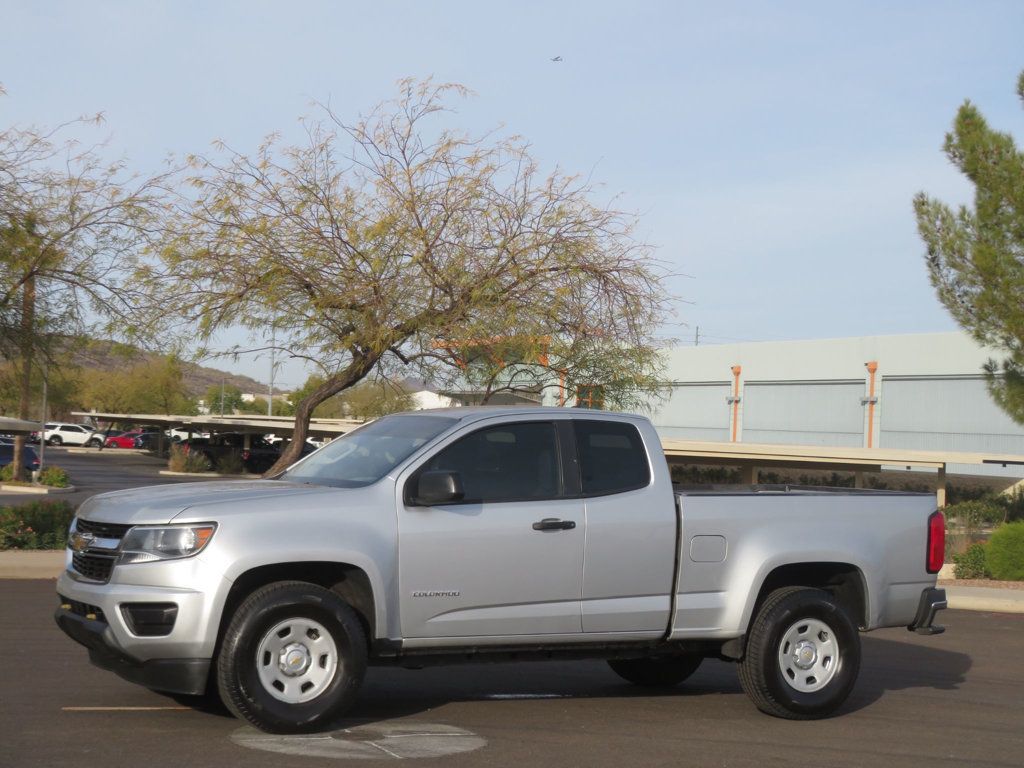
<point x="735" y="400"/>
<point x="872" y="367"/>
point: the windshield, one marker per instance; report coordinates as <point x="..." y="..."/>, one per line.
<point x="364" y="456"/>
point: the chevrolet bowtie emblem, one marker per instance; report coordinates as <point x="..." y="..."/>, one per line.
<point x="81" y="541"/>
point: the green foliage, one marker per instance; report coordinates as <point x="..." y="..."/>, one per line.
<point x="54" y="476"/>
<point x="224" y="399"/>
<point x="230" y="464"/>
<point x="971" y="563"/>
<point x="379" y="243"/>
<point x="1012" y="504"/>
<point x="35" y="525"/>
<point x="150" y="386"/>
<point x="365" y="400"/>
<point x="372" y="399"/>
<point x="974" y="255"/>
<point x="1005" y="554"/>
<point x="971" y="516"/>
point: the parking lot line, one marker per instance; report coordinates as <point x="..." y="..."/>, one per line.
<point x="125" y="709"/>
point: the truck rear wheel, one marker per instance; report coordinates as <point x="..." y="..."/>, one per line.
<point x="663" y="672"/>
<point x="292" y="659"/>
<point x="802" y="656"/>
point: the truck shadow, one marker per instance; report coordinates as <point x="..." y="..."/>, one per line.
<point x="886" y="665"/>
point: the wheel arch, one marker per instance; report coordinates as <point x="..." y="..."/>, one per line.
<point x="844" y="581"/>
<point x="349" y="581"/>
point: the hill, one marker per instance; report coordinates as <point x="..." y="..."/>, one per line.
<point x="102" y="354"/>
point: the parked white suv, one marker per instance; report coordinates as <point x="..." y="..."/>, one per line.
<point x="67" y="434"/>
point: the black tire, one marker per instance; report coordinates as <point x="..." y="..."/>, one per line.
<point x="55" y="440"/>
<point x="239" y="678"/>
<point x="662" y="672"/>
<point x="94" y="442"/>
<point x="776" y="682"/>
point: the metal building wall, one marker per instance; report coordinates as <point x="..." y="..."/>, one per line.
<point x="694" y="411"/>
<point x="804" y="412"/>
<point x="947" y="413"/>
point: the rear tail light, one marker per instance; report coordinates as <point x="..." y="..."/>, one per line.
<point x="936" y="542"/>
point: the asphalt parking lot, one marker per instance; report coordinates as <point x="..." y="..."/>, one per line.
<point x="955" y="699"/>
<point x="100" y="471"/>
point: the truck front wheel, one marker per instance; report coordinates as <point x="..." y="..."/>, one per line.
<point x="662" y="672"/>
<point x="802" y="656"/>
<point x="292" y="659"/>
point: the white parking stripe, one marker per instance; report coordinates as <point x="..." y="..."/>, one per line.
<point x="125" y="709"/>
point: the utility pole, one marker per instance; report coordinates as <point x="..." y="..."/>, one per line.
<point x="273" y="345"/>
<point x="696" y="337"/>
<point x="42" y="443"/>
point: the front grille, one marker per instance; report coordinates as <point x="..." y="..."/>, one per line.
<point x="102" y="530"/>
<point x="93" y="566"/>
<point x="83" y="609"/>
<point x="96" y="563"/>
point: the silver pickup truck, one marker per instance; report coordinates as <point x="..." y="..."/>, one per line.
<point x="486" y="533"/>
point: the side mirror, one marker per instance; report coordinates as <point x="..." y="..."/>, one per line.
<point x="438" y="486"/>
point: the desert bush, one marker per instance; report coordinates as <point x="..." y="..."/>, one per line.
<point x="180" y="461"/>
<point x="1005" y="553"/>
<point x="35" y="525"/>
<point x="54" y="476"/>
<point x="230" y="464"/>
<point x="971" y="563"/>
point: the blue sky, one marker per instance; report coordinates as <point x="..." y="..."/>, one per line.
<point x="772" y="149"/>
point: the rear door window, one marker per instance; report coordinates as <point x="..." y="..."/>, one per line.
<point x="612" y="457"/>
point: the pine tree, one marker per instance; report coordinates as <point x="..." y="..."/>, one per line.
<point x="975" y="255"/>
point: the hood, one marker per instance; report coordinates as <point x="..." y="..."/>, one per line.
<point x="159" y="504"/>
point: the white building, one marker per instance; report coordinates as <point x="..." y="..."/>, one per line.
<point x="929" y="393"/>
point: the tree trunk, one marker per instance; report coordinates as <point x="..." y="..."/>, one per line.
<point x="356" y="372"/>
<point x="28" y="307"/>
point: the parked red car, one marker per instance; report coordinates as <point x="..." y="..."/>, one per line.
<point x="123" y="440"/>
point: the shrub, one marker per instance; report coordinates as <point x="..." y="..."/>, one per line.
<point x="176" y="459"/>
<point x="7" y="474"/>
<point x="1005" y="555"/>
<point x="1013" y="504"/>
<point x="972" y="515"/>
<point x="971" y="564"/>
<point x="180" y="461"/>
<point x="55" y="477"/>
<point x="35" y="525"/>
<point x="230" y="464"/>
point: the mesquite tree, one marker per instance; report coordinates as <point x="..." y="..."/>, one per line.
<point x="976" y="256"/>
<point x="387" y="242"/>
<point x="72" y="227"/>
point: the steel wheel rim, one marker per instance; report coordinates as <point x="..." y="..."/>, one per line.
<point x="809" y="655"/>
<point x="296" y="660"/>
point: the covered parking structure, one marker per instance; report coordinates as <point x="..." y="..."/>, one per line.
<point x="246" y="425"/>
<point x="750" y="457"/>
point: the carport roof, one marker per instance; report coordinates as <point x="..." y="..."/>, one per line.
<point x="280" y="425"/>
<point x="18" y="426"/>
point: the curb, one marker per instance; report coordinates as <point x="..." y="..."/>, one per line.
<point x="31" y="564"/>
<point x="242" y="476"/>
<point x="42" y="490"/>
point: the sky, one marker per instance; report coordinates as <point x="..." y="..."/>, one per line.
<point x="771" y="150"/>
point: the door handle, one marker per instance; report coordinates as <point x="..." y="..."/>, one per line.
<point x="554" y="524"/>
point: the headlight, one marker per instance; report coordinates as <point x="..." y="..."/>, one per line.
<point x="147" y="544"/>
